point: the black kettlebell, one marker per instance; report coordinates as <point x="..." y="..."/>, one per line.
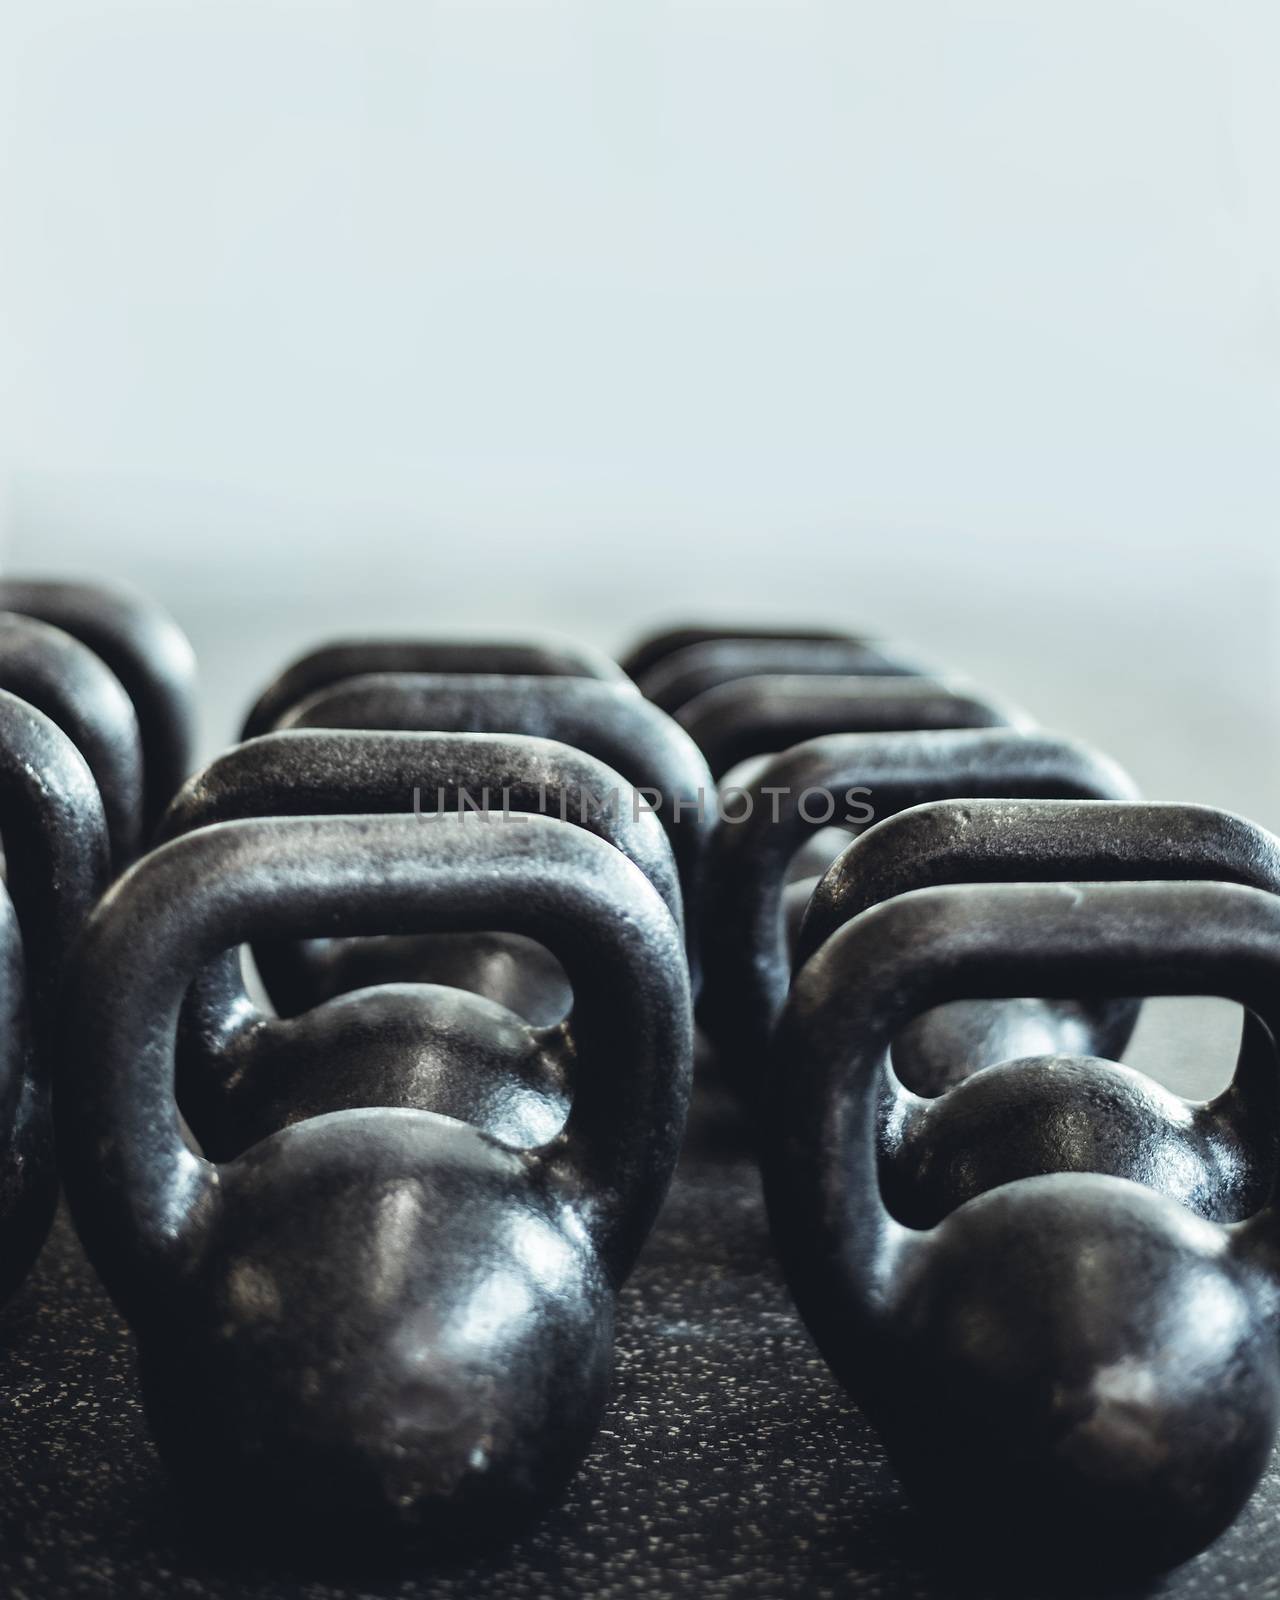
<point x="758" y="716"/>
<point x="1071" y="1369"/>
<point x="74" y="687"/>
<point x="230" y="1086"/>
<point x="381" y="1321"/>
<point x="57" y="862"/>
<point x="330" y="664"/>
<point x="147" y="652"/>
<point x="608" y="720"/>
<point x="866" y="777"/>
<point x="700" y="669"/>
<point x="1055" y="1112"/>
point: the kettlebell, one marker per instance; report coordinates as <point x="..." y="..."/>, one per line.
<point x="147" y="652"/>
<point x="381" y="1321"/>
<point x="66" y="680"/>
<point x="1072" y="1368"/>
<point x="229" y="1087"/>
<point x="653" y="647"/>
<point x="608" y="720"/>
<point x="758" y="716"/>
<point x="56" y="864"/>
<point x="1055" y="1112"/>
<point x="868" y="777"/>
<point x="686" y="674"/>
<point x="330" y="664"/>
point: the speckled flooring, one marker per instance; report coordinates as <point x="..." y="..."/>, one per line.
<point x="729" y="1462"/>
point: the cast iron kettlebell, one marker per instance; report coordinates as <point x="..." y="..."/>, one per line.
<point x="747" y="963"/>
<point x="147" y="652"/>
<point x="382" y="1320"/>
<point x="608" y="720"/>
<point x="1070" y="1368"/>
<point x="57" y="862"/>
<point x="75" y="688"/>
<point x="1054" y="1112"/>
<point x="331" y="664"/>
<point x="230" y="1086"/>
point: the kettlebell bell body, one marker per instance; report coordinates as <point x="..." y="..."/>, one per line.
<point x="381" y="1320"/>
<point x="1062" y="1112"/>
<point x="1070" y="1368"/>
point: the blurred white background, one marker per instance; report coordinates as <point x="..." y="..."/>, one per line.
<point x="955" y="321"/>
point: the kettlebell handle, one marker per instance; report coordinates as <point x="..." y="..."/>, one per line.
<point x="609" y="720"/>
<point x="322" y="772"/>
<point x="148" y="653"/>
<point x="150" y="1202"/>
<point x="745" y="953"/>
<point x="756" y="716"/>
<point x="350" y="658"/>
<point x="57" y="858"/>
<point x="964" y="942"/>
<point x="74" y="687"/>
<point x="650" y="649"/>
<point x="1018" y="841"/>
<point x="686" y="674"/>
